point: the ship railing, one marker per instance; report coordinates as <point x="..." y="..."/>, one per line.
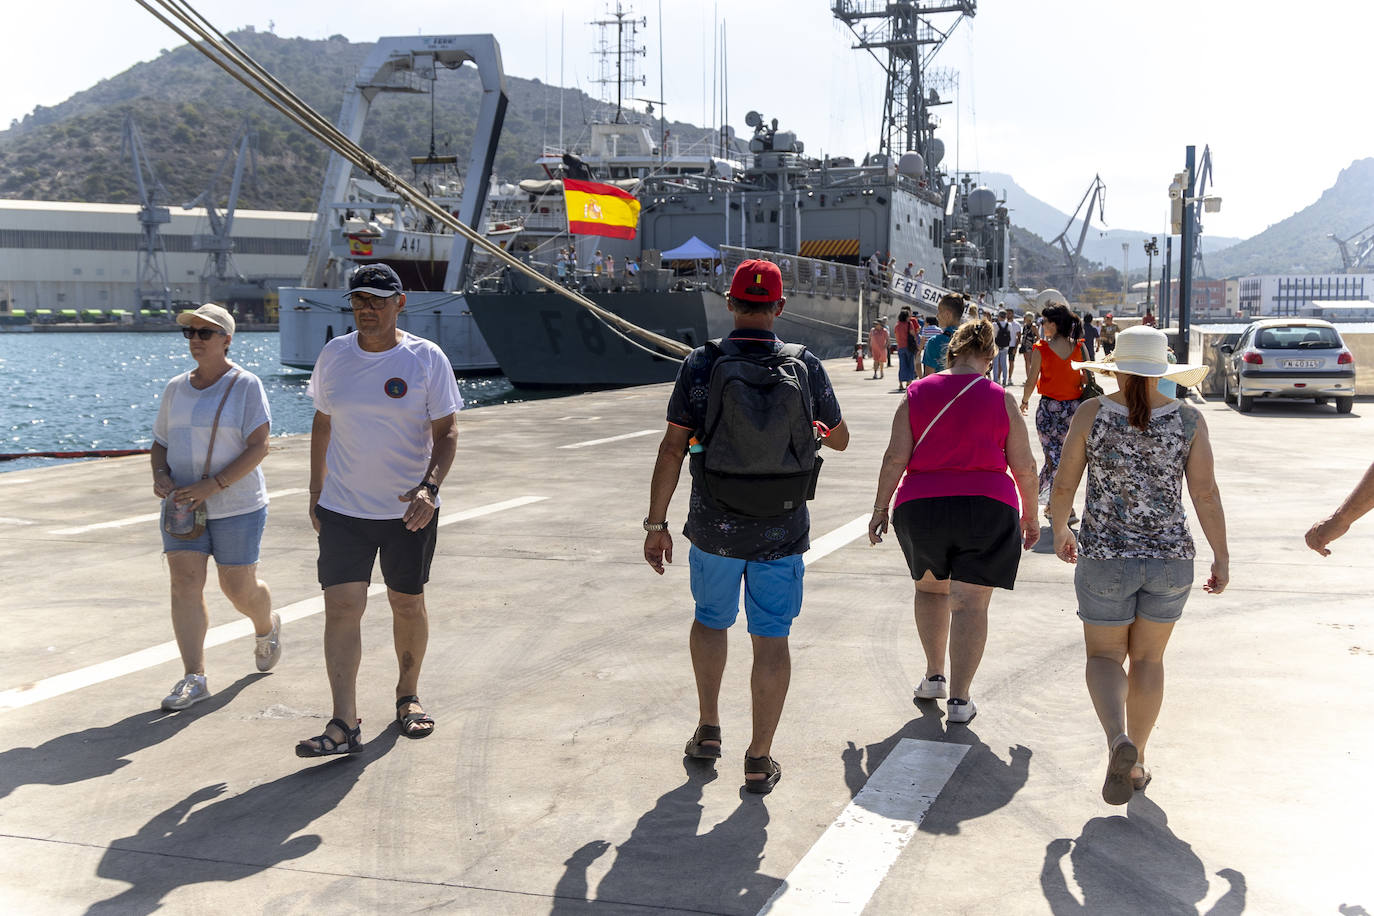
<point x="814" y="276"/>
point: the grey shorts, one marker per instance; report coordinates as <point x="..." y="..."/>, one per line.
<point x="1115" y="592"/>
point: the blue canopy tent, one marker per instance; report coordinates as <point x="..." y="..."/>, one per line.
<point x="694" y="249"/>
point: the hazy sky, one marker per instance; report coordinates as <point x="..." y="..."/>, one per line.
<point x="1051" y="91"/>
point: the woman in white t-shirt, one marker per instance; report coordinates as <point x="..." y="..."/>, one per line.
<point x="231" y="489"/>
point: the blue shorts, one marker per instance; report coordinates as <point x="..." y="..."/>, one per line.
<point x="772" y="591"/>
<point x="1115" y="592"/>
<point x="232" y="541"/>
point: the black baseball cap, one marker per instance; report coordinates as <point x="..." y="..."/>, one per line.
<point x="375" y="279"/>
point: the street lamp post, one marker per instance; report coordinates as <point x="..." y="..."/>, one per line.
<point x="1151" y="249"/>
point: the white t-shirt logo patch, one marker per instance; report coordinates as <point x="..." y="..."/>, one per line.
<point x="395" y="387"/>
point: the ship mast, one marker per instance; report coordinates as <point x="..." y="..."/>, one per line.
<point x="616" y="57"/>
<point x="908" y="31"/>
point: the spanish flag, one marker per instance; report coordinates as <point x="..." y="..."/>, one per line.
<point x="600" y="209"/>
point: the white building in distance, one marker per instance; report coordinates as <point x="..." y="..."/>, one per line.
<point x="1285" y="295"/>
<point x="60" y="256"/>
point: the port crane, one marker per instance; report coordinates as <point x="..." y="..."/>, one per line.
<point x="1094" y="197"/>
<point x="153" y="289"/>
<point x="1357" y="251"/>
<point x="218" y="243"/>
<point x="1204" y="185"/>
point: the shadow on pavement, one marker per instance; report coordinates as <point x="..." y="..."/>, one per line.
<point x="985" y="782"/>
<point x="665" y="865"/>
<point x="95" y="752"/>
<point x="232" y="838"/>
<point x="1134" y="864"/>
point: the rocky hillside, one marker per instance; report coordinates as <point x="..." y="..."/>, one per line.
<point x="1299" y="244"/>
<point x="188" y="111"/>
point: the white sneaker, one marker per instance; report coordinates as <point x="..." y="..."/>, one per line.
<point x="187" y="692"/>
<point x="931" y="688"/>
<point x="267" y="650"/>
<point x="960" y="711"/>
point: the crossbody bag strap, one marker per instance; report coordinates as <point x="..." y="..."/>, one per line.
<point x="976" y="380"/>
<point x="214" y="428"/>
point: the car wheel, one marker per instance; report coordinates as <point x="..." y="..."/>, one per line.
<point x="1320" y="401"/>
<point x="1345" y="405"/>
<point x="1227" y="395"/>
<point x="1245" y="402"/>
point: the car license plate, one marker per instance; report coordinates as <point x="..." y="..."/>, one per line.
<point x="1301" y="363"/>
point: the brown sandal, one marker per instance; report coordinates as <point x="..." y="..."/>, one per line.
<point x="1140" y="782"/>
<point x="695" y="747"/>
<point x="771" y="770"/>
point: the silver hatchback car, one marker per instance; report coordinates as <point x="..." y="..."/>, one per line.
<point x="1288" y="358"/>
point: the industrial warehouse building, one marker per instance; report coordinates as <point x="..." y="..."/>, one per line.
<point x="65" y="261"/>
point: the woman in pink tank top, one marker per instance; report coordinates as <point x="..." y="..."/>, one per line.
<point x="960" y="517"/>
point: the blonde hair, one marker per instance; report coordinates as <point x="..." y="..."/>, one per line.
<point x="973" y="337"/>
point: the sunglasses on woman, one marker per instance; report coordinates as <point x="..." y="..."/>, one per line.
<point x="203" y="333"/>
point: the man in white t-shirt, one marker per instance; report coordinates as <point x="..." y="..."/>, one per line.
<point x="384" y="436"/>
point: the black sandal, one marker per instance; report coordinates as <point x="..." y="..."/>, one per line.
<point x="766" y="765"/>
<point x="410" y="721"/>
<point x="352" y="743"/>
<point x="695" y="748"/>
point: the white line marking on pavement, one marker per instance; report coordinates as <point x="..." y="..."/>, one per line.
<point x="136" y="519"/>
<point x="59" y="684"/>
<point x="841" y="872"/>
<point x="465" y="514"/>
<point x="832" y="541"/>
<point x="6" y="481"/>
<point x="642" y="432"/>
<point x="5" y="520"/>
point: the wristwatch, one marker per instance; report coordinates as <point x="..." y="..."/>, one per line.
<point x="651" y="526"/>
<point x="433" y="488"/>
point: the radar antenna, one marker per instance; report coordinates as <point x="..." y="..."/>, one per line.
<point x="907" y="31"/>
<point x="1095" y="196"/>
<point x="153" y="288"/>
<point x="616" y="62"/>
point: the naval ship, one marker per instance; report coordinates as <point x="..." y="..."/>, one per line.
<point x="827" y="222"/>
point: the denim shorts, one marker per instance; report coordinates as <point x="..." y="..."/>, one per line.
<point x="772" y="591"/>
<point x="232" y="541"/>
<point x="1115" y="592"/>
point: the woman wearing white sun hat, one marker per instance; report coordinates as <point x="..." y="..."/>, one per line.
<point x="1134" y="553"/>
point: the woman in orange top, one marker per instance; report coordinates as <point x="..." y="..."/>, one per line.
<point x="1060" y="385"/>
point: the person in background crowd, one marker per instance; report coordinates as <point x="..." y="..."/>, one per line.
<point x="959" y="518"/>
<point x="227" y="482"/>
<point x="1090" y="336"/>
<point x="906" y="347"/>
<point x="1149" y="318"/>
<point x="877" y="347"/>
<point x="1005" y="333"/>
<point x="1359" y="502"/>
<point x="1029" y="334"/>
<point x="1059" y="384"/>
<point x="947" y="318"/>
<point x="1107" y="334"/>
<point x="1134" y="555"/>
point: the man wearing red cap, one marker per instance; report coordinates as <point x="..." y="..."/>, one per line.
<point x="745" y="528"/>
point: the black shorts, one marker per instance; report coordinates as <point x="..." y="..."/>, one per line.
<point x="349" y="546"/>
<point x="973" y="539"/>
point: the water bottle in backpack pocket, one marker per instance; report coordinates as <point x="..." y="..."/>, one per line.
<point x="759" y="443"/>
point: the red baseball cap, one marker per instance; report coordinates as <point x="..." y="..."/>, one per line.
<point x="757" y="280"/>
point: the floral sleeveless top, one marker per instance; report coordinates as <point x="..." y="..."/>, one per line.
<point x="1134" y="506"/>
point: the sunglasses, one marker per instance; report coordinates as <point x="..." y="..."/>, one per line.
<point x="202" y="333"/>
<point x="368" y="301"/>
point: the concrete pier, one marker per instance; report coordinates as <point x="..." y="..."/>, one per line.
<point x="559" y="676"/>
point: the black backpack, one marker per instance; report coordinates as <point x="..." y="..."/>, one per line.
<point x="913" y="338"/>
<point x="1003" y="339"/>
<point x="759" y="446"/>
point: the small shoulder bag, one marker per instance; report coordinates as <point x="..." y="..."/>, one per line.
<point x="182" y="521"/>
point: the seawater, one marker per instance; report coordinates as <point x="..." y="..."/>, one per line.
<point x="75" y="392"/>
